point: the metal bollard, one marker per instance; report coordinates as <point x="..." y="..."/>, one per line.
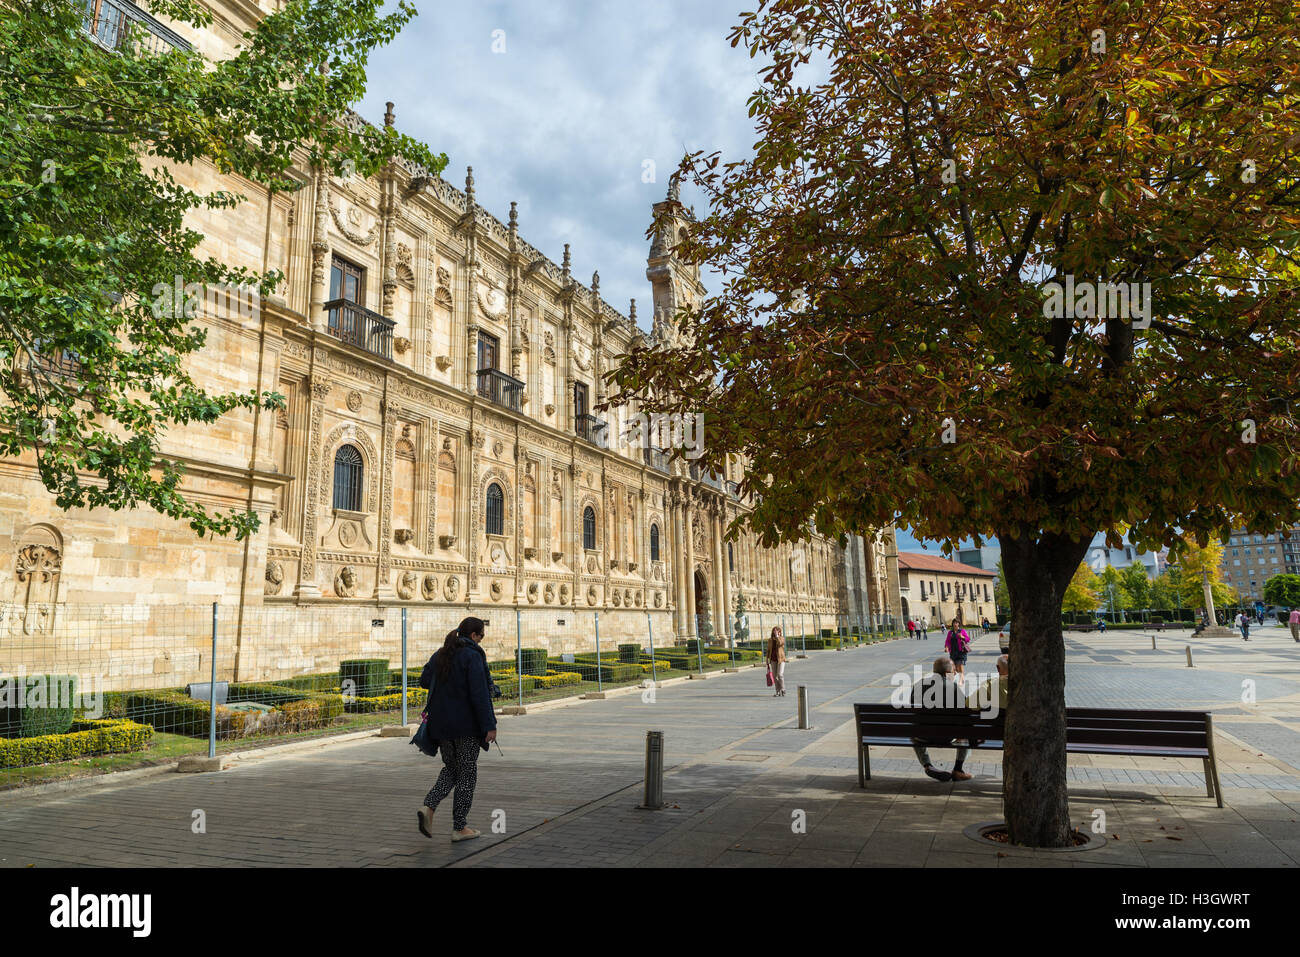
<point x="654" y="771"/>
<point x="1189" y="657"/>
<point x="803" y="708"/>
<point x="1153" y="642"/>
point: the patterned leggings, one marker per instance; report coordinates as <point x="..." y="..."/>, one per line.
<point x="459" y="771"/>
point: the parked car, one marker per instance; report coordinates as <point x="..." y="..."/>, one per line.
<point x="1004" y="639"/>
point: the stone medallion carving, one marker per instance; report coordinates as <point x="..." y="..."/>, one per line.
<point x="550" y="594"/>
<point x="348" y="534"/>
<point x="429" y="587"/>
<point x="591" y="564"/>
<point x="627" y="597"/>
<point x="406" y="585"/>
<point x="591" y="594"/>
<point x="533" y="593"/>
<point x="498" y="447"/>
<point x="452" y="588"/>
<point x="491" y="297"/>
<point x="659" y="599"/>
<point x="638" y="599"/>
<point x="347" y="222"/>
<point x="564" y="594"/>
<point x="345" y="582"/>
<point x="615" y="599"/>
<point x="354" y="400"/>
<point x="403" y="536"/>
<point x="274" y="577"/>
<point x="659" y="573"/>
<point x="498" y="555"/>
<point x="496" y="591"/>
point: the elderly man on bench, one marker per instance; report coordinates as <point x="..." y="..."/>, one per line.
<point x="939" y="690"/>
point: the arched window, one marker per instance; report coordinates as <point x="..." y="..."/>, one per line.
<point x="654" y="543"/>
<point x="349" y="469"/>
<point x="496" y="518"/>
<point x="588" y="527"/>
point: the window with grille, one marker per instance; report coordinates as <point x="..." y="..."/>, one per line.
<point x="654" y="543"/>
<point x="349" y="469"/>
<point x="496" y="518"/>
<point x="588" y="527"/>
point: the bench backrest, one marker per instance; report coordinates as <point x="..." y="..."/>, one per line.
<point x="1114" y="726"/>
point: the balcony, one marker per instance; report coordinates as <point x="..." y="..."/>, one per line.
<point x="358" y="326"/>
<point x="590" y="428"/>
<point x="499" y="388"/>
<point x="656" y="459"/>
<point x="115" y="23"/>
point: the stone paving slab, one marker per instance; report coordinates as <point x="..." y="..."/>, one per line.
<point x="565" y="786"/>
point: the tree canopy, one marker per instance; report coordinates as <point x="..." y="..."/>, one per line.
<point x="93" y="225"/>
<point x="1022" y="269"/>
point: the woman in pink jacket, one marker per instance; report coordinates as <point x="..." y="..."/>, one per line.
<point x="957" y="644"/>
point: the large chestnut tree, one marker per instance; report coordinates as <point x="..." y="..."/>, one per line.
<point x="888" y="343"/>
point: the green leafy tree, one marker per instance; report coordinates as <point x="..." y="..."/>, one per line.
<point x="1001" y="598"/>
<point x="897" y="255"/>
<point x="1200" y="564"/>
<point x="1081" y="594"/>
<point x="1283" y="590"/>
<point x="1167" y="589"/>
<point x="93" y="225"/>
<point x="1137" y="584"/>
<point x="1111" y="590"/>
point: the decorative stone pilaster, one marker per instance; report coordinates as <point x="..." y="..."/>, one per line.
<point x="319" y="250"/>
<point x="383" y="587"/>
<point x="307" y="587"/>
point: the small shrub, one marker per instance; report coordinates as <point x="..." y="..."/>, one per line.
<point x="368" y="676"/>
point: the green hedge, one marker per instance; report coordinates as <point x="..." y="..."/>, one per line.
<point x="53" y="713"/>
<point x="391" y="701"/>
<point x="533" y="661"/>
<point x="176" y="712"/>
<point x="629" y="653"/>
<point x="369" y="676"/>
<point x="326" y="682"/>
<point x="84" y="738"/>
<point x="589" y="669"/>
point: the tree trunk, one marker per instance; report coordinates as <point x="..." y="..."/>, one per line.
<point x="1038" y="570"/>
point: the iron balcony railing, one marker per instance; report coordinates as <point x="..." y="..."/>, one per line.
<point x="495" y="386"/>
<point x="589" y="427"/>
<point x="111" y="22"/>
<point x="358" y="326"/>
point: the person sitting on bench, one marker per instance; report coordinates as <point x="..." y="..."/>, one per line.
<point x="939" y="690"/>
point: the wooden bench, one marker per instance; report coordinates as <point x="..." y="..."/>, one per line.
<point x="1122" y="731"/>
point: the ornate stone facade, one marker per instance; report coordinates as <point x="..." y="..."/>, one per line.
<point x="407" y="474"/>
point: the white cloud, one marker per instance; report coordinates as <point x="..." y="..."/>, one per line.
<point x="563" y="120"/>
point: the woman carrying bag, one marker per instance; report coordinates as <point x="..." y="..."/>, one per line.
<point x="459" y="716"/>
<point x="957" y="644"/>
<point x="776" y="661"/>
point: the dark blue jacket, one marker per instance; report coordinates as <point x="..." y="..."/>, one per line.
<point x="461" y="703"/>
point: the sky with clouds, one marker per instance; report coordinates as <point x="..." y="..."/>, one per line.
<point x="565" y="118"/>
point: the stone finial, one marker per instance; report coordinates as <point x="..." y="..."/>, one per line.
<point x="566" y="261"/>
<point x="631" y="312"/>
<point x="388" y="116"/>
<point x="514" y="217"/>
<point x="595" y="284"/>
<point x="674" y="188"/>
<point x="469" y="185"/>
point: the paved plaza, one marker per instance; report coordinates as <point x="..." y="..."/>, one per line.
<point x="745" y="786"/>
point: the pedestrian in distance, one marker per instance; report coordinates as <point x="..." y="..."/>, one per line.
<point x="911" y="629"/>
<point x="460" y="717"/>
<point x="1294" y="622"/>
<point x="924" y="629"/>
<point x="957" y="644"/>
<point x="1244" y="624"/>
<point x="776" y="660"/>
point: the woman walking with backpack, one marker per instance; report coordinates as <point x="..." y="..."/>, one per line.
<point x="957" y="644"/>
<point x="776" y="660"/>
<point x="459" y="716"/>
